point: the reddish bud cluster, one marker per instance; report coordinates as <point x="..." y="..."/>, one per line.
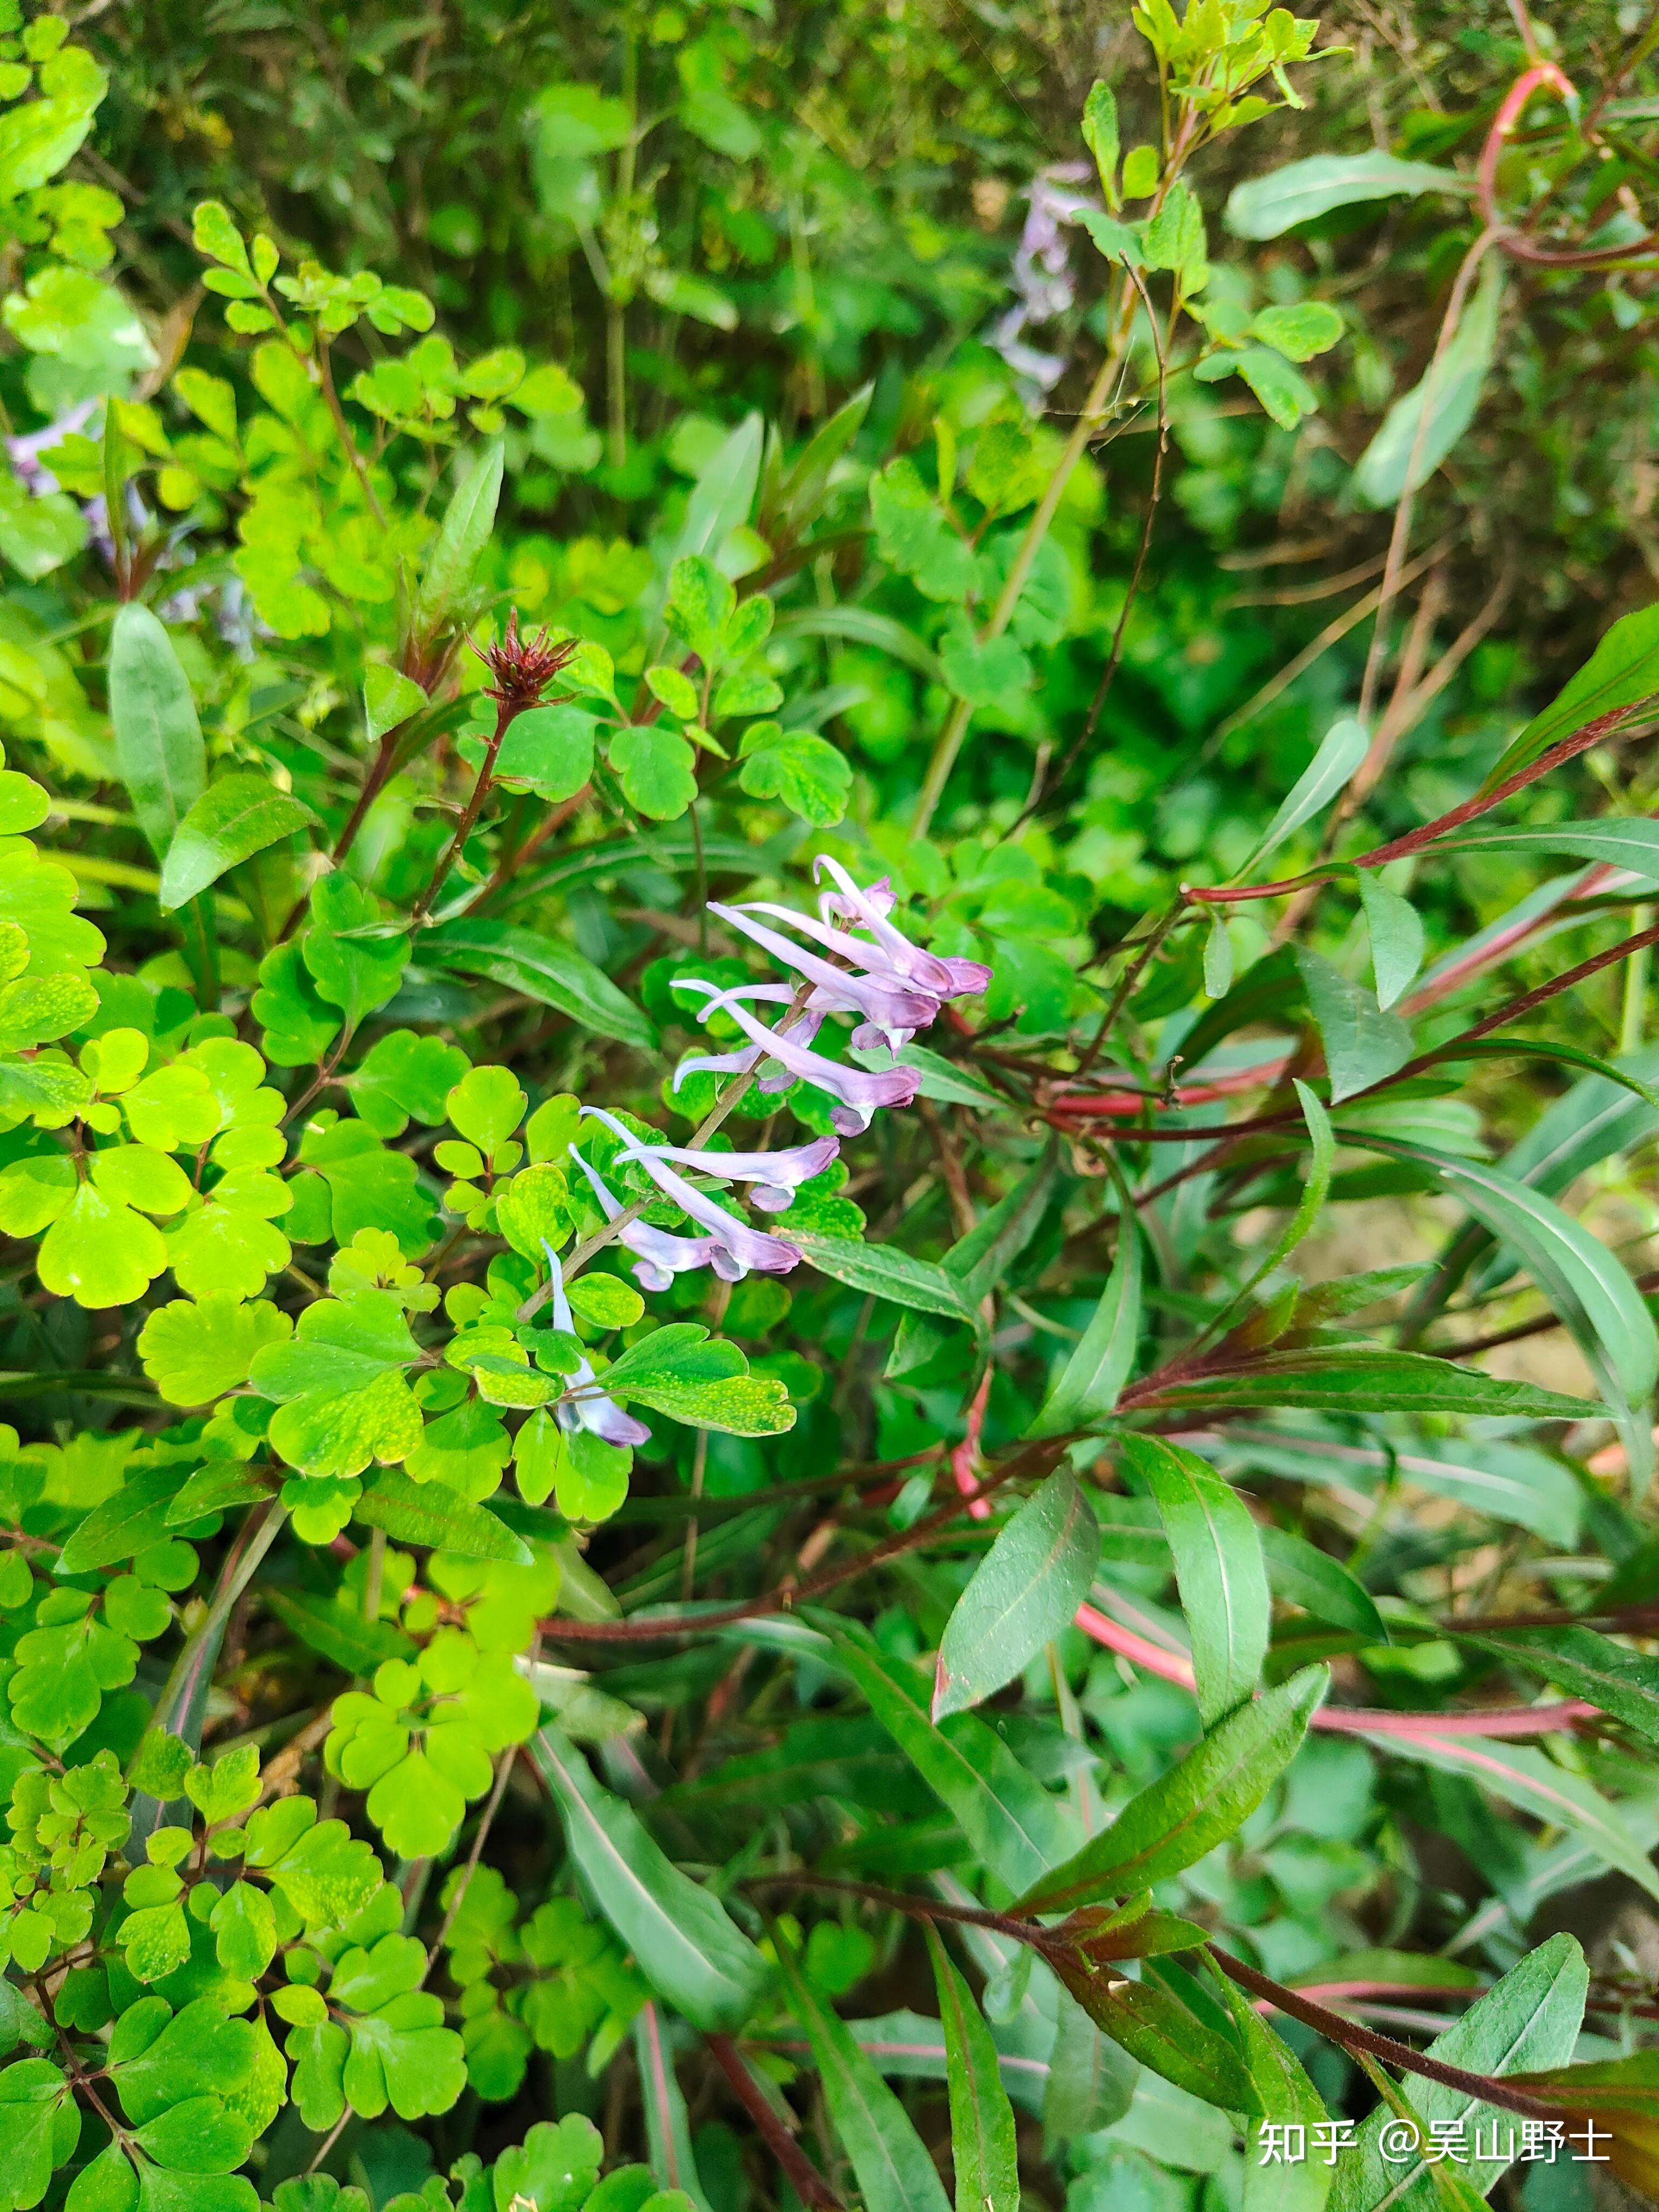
<point x="521" y="668"/>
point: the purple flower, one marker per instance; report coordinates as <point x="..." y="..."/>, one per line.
<point x="888" y="1004"/>
<point x="737" y="1248"/>
<point x="26" y="451"/>
<point x="943" y="978"/>
<point x="1042" y="273"/>
<point x="601" y="1416"/>
<point x="659" y="1256"/>
<point x="860" y="1095"/>
<point x="776" y="1176"/>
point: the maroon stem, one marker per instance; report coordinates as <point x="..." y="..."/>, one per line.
<point x="1348" y="2034"/>
<point x="506" y="713"/>
<point x="809" y="2185"/>
<point x="1414" y="839"/>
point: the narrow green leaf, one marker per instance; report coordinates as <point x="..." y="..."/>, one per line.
<point x="1589" y="1290"/>
<point x="462" y="537"/>
<point x="1405" y="452"/>
<point x="1022" y="1593"/>
<point x="432" y="1514"/>
<point x="1528" y="2021"/>
<point x="1622" y="672"/>
<point x="1369" y="1379"/>
<point x="686" y="1946"/>
<point x="553" y="974"/>
<point x="1621" y="840"/>
<point x="1282" y="2093"/>
<point x="341" y="1633"/>
<point x="1103" y="1360"/>
<point x="1154" y="2025"/>
<point x="667" y="2123"/>
<point x="724" y="492"/>
<point x="882" y="1271"/>
<point x="1266" y="207"/>
<point x="983" y="2148"/>
<point x="1397" y="935"/>
<point x="1362" y="1043"/>
<point x="1202" y="1800"/>
<point x="234" y="818"/>
<point x="1013" y="1827"/>
<point x="1341" y="751"/>
<point x="894" y="2172"/>
<point x="1321" y="1585"/>
<point x="1588" y="1664"/>
<point x="1564" y="1055"/>
<point x="860" y="625"/>
<point x="1218" y="1566"/>
<point x="158" y="740"/>
<point x="1218" y="959"/>
<point x="1528" y="1779"/>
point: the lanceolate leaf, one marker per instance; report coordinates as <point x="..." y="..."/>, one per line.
<point x="1622" y="672"/>
<point x="553" y="974"/>
<point x="1322" y="1586"/>
<point x="235" y="817"/>
<point x="1104" y="1358"/>
<point x="1528" y="1779"/>
<point x="1590" y="1666"/>
<point x="431" y="1513"/>
<point x="158" y="739"/>
<point x="1621" y="840"/>
<point x="1589" y="1288"/>
<point x="895" y="2172"/>
<point x="1012" y="1825"/>
<point x="1219" y="1570"/>
<point x="1022" y="1593"/>
<point x="1266" y="207"/>
<point x="1203" y="1799"/>
<point x="1535" y="2009"/>
<point x="686" y="1945"/>
<point x="983" y="2149"/>
<point x="1421" y="428"/>
<point x="453" y="563"/>
<point x="1368" y="1379"/>
<point x="1284" y="2093"/>
<point x="1362" y="1043"/>
<point x="1397" y="935"/>
<point x="882" y="1271"/>
<point x="1155" y="2027"/>
<point x="1341" y="751"/>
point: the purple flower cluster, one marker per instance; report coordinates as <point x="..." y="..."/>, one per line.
<point x="891" y="986"/>
<point x="1042" y="273"/>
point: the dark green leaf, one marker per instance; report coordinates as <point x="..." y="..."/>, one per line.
<point x="551" y="973"/>
<point x="1201" y="1802"/>
<point x="1266" y="207"/>
<point x="1218" y="1569"/>
<point x="1022" y="1593"/>
<point x="158" y="739"/>
<point x="233" y="819"/>
<point x="894" y="2172"/>
<point x="679" y="1933"/>
<point x="983" y="2149"/>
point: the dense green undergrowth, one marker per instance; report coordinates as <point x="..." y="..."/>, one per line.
<point x="825" y="1305"/>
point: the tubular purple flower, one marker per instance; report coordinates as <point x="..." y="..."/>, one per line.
<point x="926" y="971"/>
<point x="658" y="1255"/>
<point x="737" y="1248"/>
<point x="860" y="1095"/>
<point x="892" y="1006"/>
<point x="601" y="1416"/>
<point x="775" y="1176"/>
